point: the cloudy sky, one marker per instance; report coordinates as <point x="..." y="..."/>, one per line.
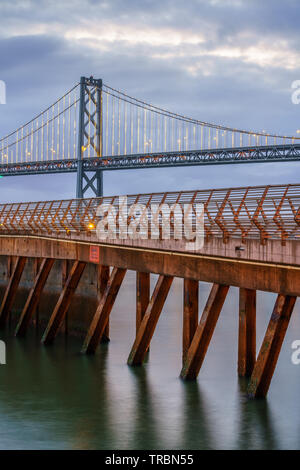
<point x="231" y="62"/>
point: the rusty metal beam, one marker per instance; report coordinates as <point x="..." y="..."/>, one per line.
<point x="190" y="313"/>
<point x="101" y="316"/>
<point x="150" y="319"/>
<point x="247" y="332"/>
<point x="271" y="346"/>
<point x="11" y="289"/>
<point x="34" y="296"/>
<point x="63" y="302"/>
<point x="197" y="350"/>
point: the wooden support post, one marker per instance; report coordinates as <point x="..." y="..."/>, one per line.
<point x="10" y="263"/>
<point x="11" y="289"/>
<point x="104" y="308"/>
<point x="37" y="265"/>
<point x="247" y="332"/>
<point x="103" y="278"/>
<point x="142" y="296"/>
<point x="190" y="313"/>
<point x="147" y="327"/>
<point x="65" y="271"/>
<point x="63" y="302"/>
<point x="270" y="349"/>
<point x="34" y="296"/>
<point x="197" y="350"/>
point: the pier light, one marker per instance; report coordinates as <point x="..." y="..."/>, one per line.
<point x="91" y="226"/>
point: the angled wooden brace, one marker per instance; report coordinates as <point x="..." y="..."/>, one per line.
<point x="63" y="302"/>
<point x="11" y="289"/>
<point x="104" y="308"/>
<point x="271" y="346"/>
<point x="36" y="268"/>
<point x="247" y="332"/>
<point x="150" y="319"/>
<point x="66" y="266"/>
<point x="103" y="278"/>
<point x="190" y="313"/>
<point x="142" y="296"/>
<point x="34" y="296"/>
<point x="197" y="350"/>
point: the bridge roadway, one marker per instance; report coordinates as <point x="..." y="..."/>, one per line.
<point x="260" y="154"/>
<point x="251" y="242"/>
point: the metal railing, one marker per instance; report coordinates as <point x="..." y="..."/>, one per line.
<point x="261" y="212"/>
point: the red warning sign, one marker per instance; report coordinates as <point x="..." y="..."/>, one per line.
<point x="94" y="254"/>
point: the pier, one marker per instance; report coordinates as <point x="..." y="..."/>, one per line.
<point x="251" y="241"/>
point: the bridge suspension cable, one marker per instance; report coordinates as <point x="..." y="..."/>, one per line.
<point x="165" y="131"/>
<point x="51" y="135"/>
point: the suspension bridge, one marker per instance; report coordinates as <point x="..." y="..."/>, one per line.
<point x="95" y="128"/>
<point x="251" y="234"/>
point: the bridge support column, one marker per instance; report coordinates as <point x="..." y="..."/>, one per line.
<point x="270" y="349"/>
<point x="63" y="302"/>
<point x="11" y="289"/>
<point x="34" y="296"/>
<point x="190" y="313"/>
<point x="103" y="278"/>
<point x="101" y="316"/>
<point x="197" y="350"/>
<point x="89" y="136"/>
<point x="247" y="332"/>
<point x="150" y="319"/>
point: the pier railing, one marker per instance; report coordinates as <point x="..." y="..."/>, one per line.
<point x="261" y="212"/>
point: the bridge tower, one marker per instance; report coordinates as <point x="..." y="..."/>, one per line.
<point x="90" y="135"/>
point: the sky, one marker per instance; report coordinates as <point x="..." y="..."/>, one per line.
<point x="230" y="62"/>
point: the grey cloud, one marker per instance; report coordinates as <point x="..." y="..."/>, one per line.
<point x="40" y="67"/>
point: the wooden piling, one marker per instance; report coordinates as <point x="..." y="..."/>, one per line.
<point x="103" y="278"/>
<point x="101" y="316"/>
<point x="247" y="332"/>
<point x="34" y="296"/>
<point x="150" y="319"/>
<point x="190" y="313"/>
<point x="63" y="302"/>
<point x="65" y="271"/>
<point x="197" y="350"/>
<point x="271" y="346"/>
<point x="11" y="289"/>
<point x="142" y="296"/>
<point x="36" y="268"/>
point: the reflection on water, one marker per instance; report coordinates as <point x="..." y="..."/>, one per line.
<point x="54" y="397"/>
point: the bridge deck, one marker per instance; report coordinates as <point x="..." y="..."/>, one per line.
<point x="252" y="154"/>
